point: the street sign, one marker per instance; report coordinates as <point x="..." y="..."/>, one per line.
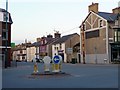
<point x="56" y="59"/>
<point x="69" y="50"/>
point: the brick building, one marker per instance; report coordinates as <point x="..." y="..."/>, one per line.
<point x="5" y="36"/>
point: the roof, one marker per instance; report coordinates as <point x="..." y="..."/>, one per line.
<point x="64" y="38"/>
<point x="50" y="40"/>
<point x="10" y="19"/>
<point x="35" y="44"/>
<point x="108" y="16"/>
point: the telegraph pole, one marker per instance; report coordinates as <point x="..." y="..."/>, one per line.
<point x="6" y="42"/>
<point x="83" y="43"/>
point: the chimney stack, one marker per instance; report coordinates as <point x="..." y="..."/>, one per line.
<point x="57" y="35"/>
<point x="116" y="10"/>
<point x="93" y="7"/>
<point x="49" y="36"/>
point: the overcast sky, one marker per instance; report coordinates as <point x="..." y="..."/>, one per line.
<point x="37" y="18"/>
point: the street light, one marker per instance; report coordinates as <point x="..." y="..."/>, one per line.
<point x="6" y="51"/>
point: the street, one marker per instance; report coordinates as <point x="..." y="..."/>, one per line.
<point x="80" y="76"/>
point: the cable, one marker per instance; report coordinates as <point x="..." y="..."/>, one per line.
<point x="69" y="30"/>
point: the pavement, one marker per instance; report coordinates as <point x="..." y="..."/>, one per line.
<point x="81" y="76"/>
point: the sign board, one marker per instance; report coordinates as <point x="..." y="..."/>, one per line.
<point x="69" y="50"/>
<point x="56" y="59"/>
<point x="47" y="61"/>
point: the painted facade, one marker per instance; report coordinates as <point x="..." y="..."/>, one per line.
<point x="64" y="46"/>
<point x="96" y="36"/>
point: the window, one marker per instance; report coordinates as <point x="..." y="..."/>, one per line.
<point x="21" y="51"/>
<point x="92" y="34"/>
<point x="60" y="46"/>
<point x="100" y="23"/>
<point x="55" y="48"/>
<point x="4" y="17"/>
<point x="5" y="35"/>
<point x="117" y="36"/>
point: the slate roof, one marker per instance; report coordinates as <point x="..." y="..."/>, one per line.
<point x="64" y="38"/>
<point x="35" y="44"/>
<point x="10" y="19"/>
<point x="108" y="16"/>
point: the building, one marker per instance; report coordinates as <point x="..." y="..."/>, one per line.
<point x="5" y="37"/>
<point x="46" y="45"/>
<point x="99" y="38"/>
<point x="31" y="52"/>
<point x="67" y="46"/>
<point x="20" y="52"/>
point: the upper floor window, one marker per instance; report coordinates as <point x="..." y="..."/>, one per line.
<point x="55" y="48"/>
<point x="4" y="35"/>
<point x="21" y="51"/>
<point x="100" y="23"/>
<point x="60" y="46"/>
<point x="117" y="36"/>
<point x="45" y="41"/>
<point x="4" y="17"/>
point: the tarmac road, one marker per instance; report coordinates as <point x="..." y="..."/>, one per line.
<point x="81" y="76"/>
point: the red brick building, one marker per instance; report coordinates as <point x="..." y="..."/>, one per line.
<point x="5" y="37"/>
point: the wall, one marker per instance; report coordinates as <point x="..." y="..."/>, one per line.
<point x="31" y="53"/>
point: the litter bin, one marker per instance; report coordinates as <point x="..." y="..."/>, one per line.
<point x="73" y="60"/>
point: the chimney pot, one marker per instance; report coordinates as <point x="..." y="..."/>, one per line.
<point x="93" y="7"/>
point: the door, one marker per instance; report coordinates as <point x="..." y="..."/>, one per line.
<point x="78" y="58"/>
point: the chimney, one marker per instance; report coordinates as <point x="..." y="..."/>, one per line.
<point x="49" y="36"/>
<point x="38" y="39"/>
<point x="57" y="35"/>
<point x="116" y="10"/>
<point x="93" y="7"/>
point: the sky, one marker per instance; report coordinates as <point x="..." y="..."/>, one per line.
<point x="37" y="18"/>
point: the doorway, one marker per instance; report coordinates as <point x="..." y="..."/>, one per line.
<point x="115" y="52"/>
<point x="78" y="58"/>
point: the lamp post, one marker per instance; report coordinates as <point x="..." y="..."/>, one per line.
<point x="83" y="43"/>
<point x="6" y="44"/>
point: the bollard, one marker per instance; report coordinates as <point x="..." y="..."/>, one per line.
<point x="60" y="66"/>
<point x="53" y="67"/>
<point x="35" y="68"/>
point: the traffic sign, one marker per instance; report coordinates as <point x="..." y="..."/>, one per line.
<point x="69" y="50"/>
<point x="56" y="59"/>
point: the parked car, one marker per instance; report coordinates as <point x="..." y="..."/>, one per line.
<point x="37" y="60"/>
